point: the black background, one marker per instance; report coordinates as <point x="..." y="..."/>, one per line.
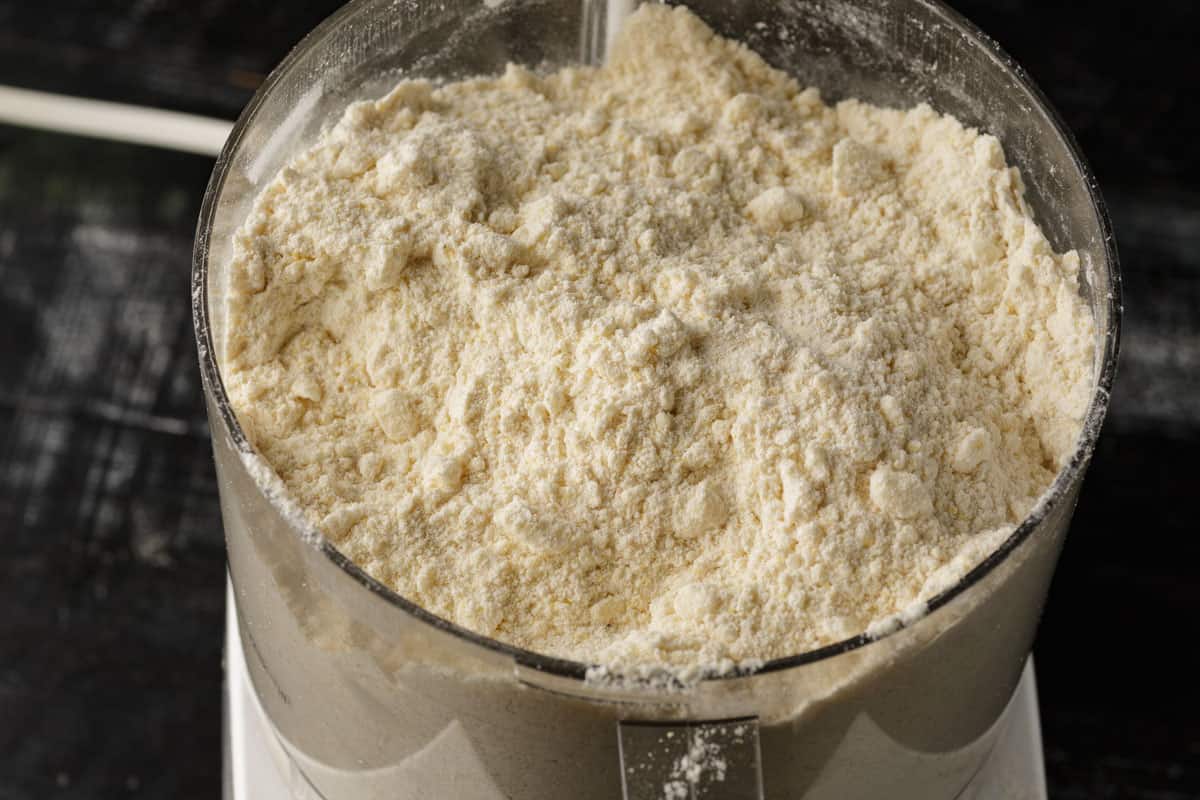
<point x="111" y="577"/>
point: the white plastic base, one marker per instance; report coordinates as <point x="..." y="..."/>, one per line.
<point x="257" y="767"/>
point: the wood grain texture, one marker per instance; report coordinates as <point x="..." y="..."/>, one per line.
<point x="203" y="56"/>
<point x="113" y="572"/>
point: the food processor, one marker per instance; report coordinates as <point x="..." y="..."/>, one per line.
<point x="337" y="687"/>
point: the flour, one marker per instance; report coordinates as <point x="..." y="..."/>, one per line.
<point x="662" y="363"/>
<point x="702" y="761"/>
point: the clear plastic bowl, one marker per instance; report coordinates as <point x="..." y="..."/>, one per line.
<point x="373" y="697"/>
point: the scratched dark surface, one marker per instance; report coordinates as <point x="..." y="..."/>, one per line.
<point x="112" y="567"/>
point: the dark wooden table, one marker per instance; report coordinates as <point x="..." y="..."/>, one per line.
<point x="111" y="578"/>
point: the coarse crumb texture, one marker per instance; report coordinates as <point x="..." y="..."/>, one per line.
<point x="665" y="362"/>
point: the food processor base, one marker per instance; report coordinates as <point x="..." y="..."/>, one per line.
<point x="256" y="766"/>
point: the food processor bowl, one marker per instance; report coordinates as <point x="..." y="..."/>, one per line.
<point x="371" y="696"/>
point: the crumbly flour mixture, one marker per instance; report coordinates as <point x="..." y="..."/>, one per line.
<point x="665" y="362"/>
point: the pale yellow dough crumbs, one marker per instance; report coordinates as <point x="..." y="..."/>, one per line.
<point x="665" y="362"/>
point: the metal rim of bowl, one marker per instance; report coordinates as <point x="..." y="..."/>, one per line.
<point x="568" y="668"/>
